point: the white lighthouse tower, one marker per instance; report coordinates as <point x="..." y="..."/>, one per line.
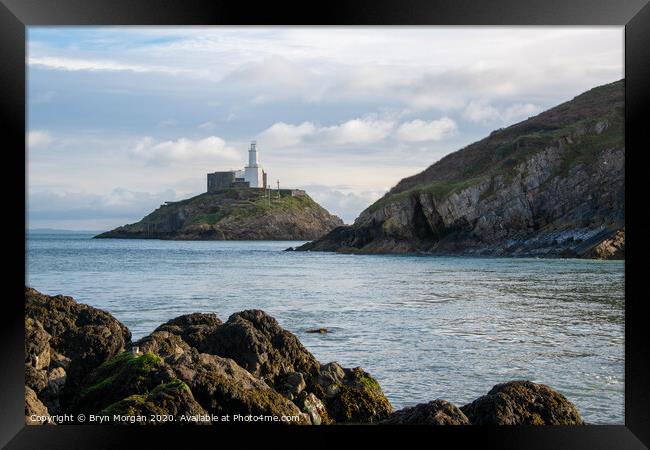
<point x="253" y="172"/>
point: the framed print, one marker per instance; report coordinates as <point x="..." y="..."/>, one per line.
<point x="371" y="218"/>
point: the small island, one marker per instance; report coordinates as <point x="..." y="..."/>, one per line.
<point x="238" y="205"/>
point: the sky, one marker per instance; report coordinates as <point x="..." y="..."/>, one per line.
<point x="122" y="119"/>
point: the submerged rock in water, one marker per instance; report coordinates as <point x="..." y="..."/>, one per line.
<point x="436" y="412"/>
<point x="522" y="403"/>
<point x="318" y="330"/>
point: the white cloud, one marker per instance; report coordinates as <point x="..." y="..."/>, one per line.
<point x="69" y="209"/>
<point x="356" y="131"/>
<point x="38" y="139"/>
<point x="419" y="130"/>
<point x="282" y="134"/>
<point x="206" y="126"/>
<point x="520" y="111"/>
<point x="480" y="111"/>
<point x="77" y="64"/>
<point x="342" y="201"/>
<point x="183" y="150"/>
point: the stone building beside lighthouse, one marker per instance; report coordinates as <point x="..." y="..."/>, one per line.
<point x="253" y="175"/>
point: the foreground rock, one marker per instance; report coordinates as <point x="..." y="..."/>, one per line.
<point x="34" y="407"/>
<point x="193" y="328"/>
<point x="522" y="403"/>
<point x="436" y="412"/>
<point x="550" y="186"/>
<point x="65" y="341"/>
<point x="219" y="384"/>
<point x="196" y="369"/>
<point x="193" y="366"/>
<point x="257" y="343"/>
<point x="233" y="214"/>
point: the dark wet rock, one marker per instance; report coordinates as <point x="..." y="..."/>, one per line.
<point x="260" y="345"/>
<point x="59" y="360"/>
<point x="314" y="408"/>
<point x="318" y="330"/>
<point x="222" y="386"/>
<point x="292" y="385"/>
<point x="522" y="403"/>
<point x="219" y="384"/>
<point x="37" y="344"/>
<point x="120" y="377"/>
<point x="35" y="379"/>
<point x="51" y="394"/>
<point x="356" y="398"/>
<point x="170" y="399"/>
<point x="436" y="412"/>
<point x="256" y="342"/>
<point x="331" y="374"/>
<point x="83" y="337"/>
<point x="192" y="328"/>
<point x="34" y="407"/>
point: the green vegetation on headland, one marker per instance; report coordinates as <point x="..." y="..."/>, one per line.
<point x="235" y="213"/>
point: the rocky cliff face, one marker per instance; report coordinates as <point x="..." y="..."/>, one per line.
<point x="552" y="185"/>
<point x="233" y="214"/>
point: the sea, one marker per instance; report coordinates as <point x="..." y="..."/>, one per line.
<point x="425" y="327"/>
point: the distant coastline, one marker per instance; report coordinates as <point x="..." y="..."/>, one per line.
<point x="61" y="231"/>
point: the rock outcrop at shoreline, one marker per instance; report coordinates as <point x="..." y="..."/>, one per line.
<point x="233" y="214"/>
<point x="550" y="186"/>
<point x="522" y="403"/>
<point x="196" y="369"/>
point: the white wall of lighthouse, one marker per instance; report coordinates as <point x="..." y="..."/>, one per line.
<point x="253" y="171"/>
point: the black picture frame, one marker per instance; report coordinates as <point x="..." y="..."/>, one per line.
<point x="16" y="15"/>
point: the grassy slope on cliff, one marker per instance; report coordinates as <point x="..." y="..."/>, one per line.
<point x="505" y="148"/>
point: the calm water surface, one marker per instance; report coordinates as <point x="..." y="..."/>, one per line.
<point x="425" y="327"/>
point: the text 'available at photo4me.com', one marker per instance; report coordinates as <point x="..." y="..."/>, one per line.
<point x="161" y="418"/>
